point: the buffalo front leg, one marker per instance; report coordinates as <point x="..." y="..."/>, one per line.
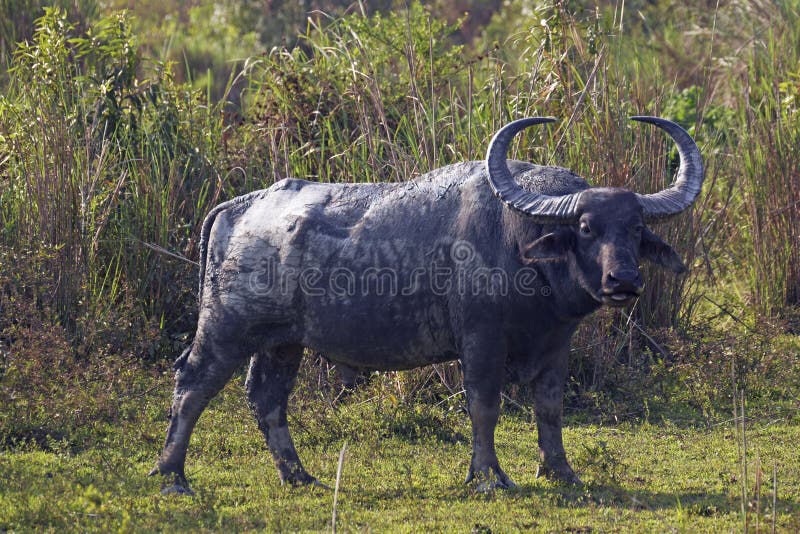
<point x="548" y="406"/>
<point x="269" y="382"/>
<point x="200" y="375"/>
<point x="483" y="363"/>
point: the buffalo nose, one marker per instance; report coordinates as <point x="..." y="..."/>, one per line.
<point x="627" y="281"/>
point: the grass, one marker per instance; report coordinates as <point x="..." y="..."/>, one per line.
<point x="105" y="156"/>
<point x="655" y="474"/>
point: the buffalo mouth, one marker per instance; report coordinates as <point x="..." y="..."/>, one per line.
<point x="619" y="298"/>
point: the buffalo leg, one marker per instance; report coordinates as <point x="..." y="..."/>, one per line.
<point x="269" y="383"/>
<point x="548" y="405"/>
<point x="200" y="375"/>
<point x="483" y="366"/>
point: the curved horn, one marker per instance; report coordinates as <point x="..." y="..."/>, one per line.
<point x="542" y="208"/>
<point x="688" y="182"/>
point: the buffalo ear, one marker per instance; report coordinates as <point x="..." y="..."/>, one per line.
<point x="655" y="250"/>
<point x="549" y="247"/>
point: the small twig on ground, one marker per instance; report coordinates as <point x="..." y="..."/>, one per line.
<point x="744" y="463"/>
<point x="336" y="488"/>
<point x="774" y="494"/>
<point x="162" y="250"/>
<point x="443" y="378"/>
<point x="732" y="316"/>
<point x="456" y="394"/>
<point x="515" y="403"/>
<point x="663" y="352"/>
<point x="148" y="390"/>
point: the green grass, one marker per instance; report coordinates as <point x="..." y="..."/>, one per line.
<point x="103" y="150"/>
<point x="639" y="476"/>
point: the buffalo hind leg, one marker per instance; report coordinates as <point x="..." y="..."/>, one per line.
<point x="200" y="374"/>
<point x="548" y="406"/>
<point x="483" y="363"/>
<point x="269" y="382"/>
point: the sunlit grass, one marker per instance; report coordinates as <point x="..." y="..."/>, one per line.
<point x="645" y="476"/>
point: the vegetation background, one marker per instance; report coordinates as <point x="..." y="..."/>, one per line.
<point x="123" y="123"/>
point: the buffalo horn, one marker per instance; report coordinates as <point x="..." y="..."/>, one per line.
<point x="688" y="182"/>
<point x="542" y="208"/>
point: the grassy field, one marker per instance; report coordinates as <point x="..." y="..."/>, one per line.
<point x="403" y="471"/>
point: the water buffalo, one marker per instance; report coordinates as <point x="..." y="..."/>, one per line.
<point x="494" y="263"/>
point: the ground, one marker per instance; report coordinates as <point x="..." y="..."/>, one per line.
<point x="403" y="471"/>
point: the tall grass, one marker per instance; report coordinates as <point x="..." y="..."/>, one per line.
<point x="95" y="163"/>
<point x="769" y="165"/>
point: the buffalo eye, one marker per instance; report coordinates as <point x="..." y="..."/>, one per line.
<point x="585" y="230"/>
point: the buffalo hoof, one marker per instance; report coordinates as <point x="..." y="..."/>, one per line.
<point x="177" y="489"/>
<point x="488" y="487"/>
<point x="178" y="485"/>
<point x="301" y="478"/>
<point x="488" y="479"/>
<point x="310" y="481"/>
<point x="317" y="484"/>
<point x="561" y="474"/>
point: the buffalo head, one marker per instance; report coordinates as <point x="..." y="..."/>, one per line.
<point x="601" y="232"/>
